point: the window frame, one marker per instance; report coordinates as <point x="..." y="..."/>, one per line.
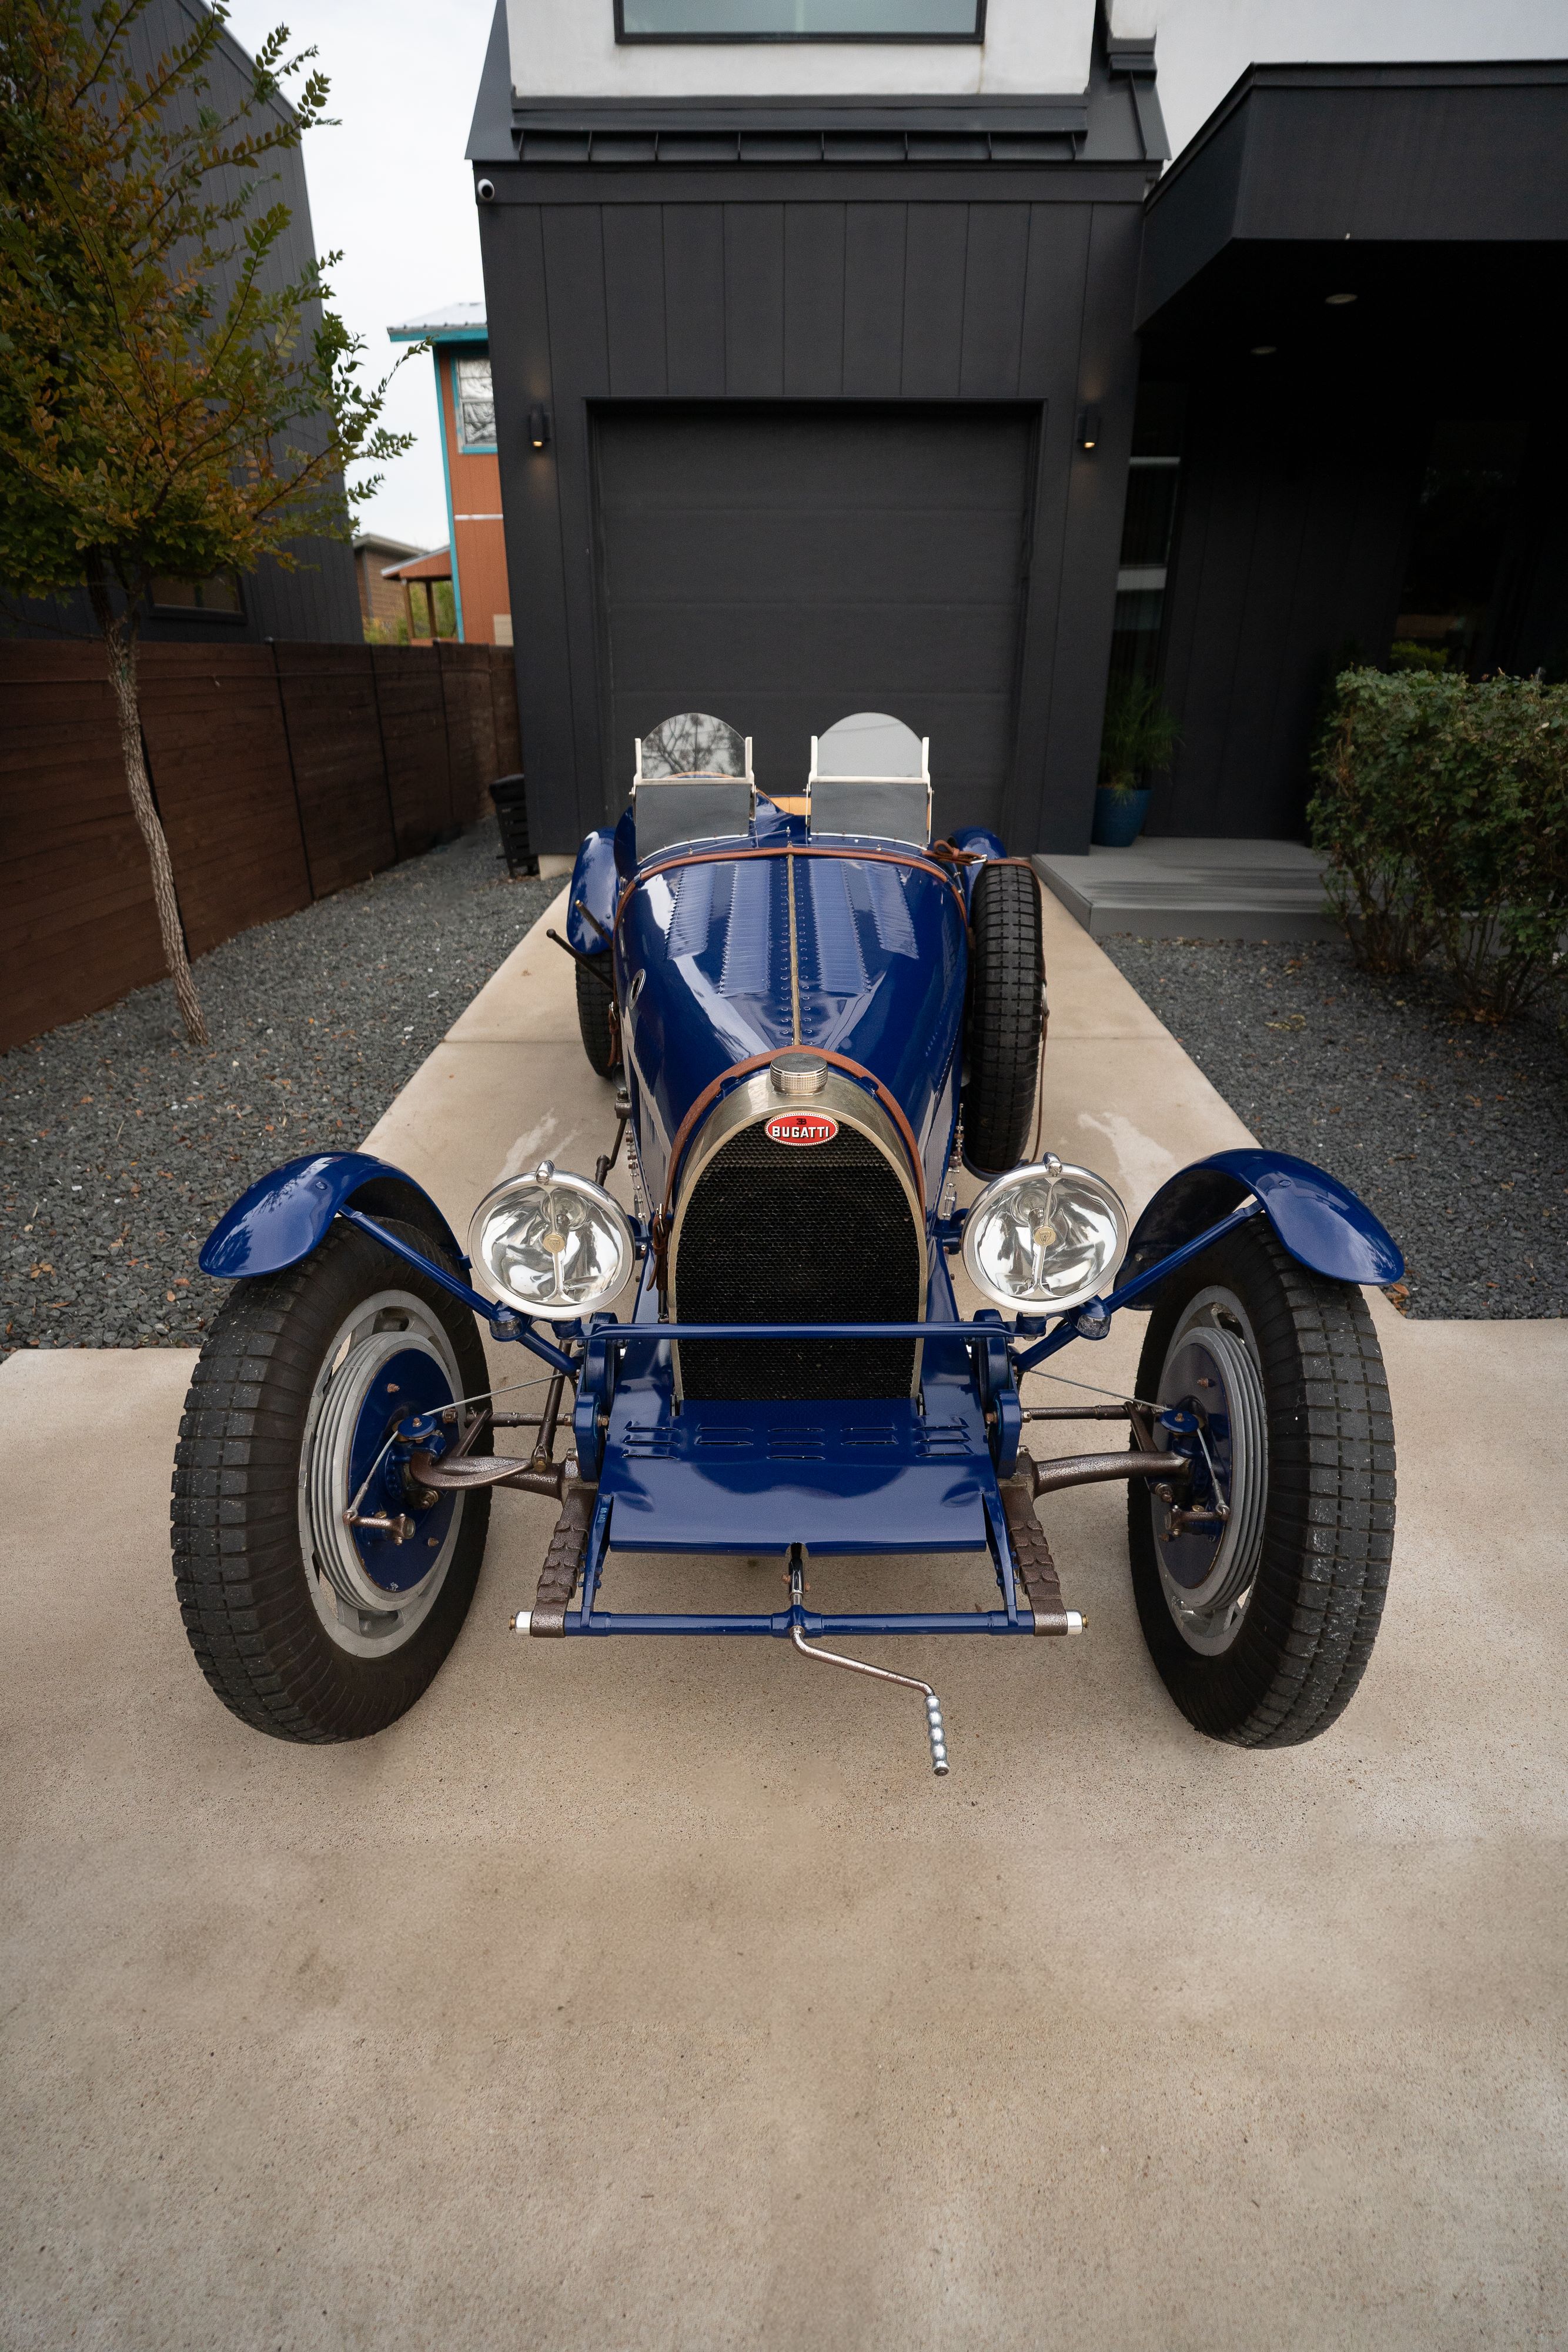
<point x="471" y="448"/>
<point x="795" y="40"/>
<point x="213" y="613"/>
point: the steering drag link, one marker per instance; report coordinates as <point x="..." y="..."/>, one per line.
<point x="935" y="1731"/>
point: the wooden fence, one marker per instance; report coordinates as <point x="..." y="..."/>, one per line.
<point x="281" y="774"/>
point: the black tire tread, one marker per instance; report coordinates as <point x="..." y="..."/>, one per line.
<point x="238" y="1572"/>
<point x="600" y="1041"/>
<point x="1005" y="1017"/>
<point x="1328" y="1538"/>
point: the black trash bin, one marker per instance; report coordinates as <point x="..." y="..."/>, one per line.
<point x="512" y="809"/>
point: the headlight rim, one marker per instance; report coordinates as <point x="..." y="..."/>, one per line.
<point x="1011" y="1180"/>
<point x="548" y="1177"/>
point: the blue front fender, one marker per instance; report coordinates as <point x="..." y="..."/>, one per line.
<point x="1319" y="1220"/>
<point x="596" y="886"/>
<point x="284" y="1215"/>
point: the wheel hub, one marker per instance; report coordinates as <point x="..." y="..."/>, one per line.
<point x="1210" y="1534"/>
<point x="358" y="1463"/>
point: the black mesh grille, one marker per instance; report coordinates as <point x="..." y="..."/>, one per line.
<point x="780" y="1233"/>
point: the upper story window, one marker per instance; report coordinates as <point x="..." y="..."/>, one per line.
<point x="476" y="401"/>
<point x="800" y="20"/>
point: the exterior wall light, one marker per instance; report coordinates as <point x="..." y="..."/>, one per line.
<point x="538" y="428"/>
<point x="1337" y="301"/>
<point x="1088" y="427"/>
<point x="1264" y="350"/>
<point x="485" y="190"/>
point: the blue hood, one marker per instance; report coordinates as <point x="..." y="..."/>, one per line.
<point x="734" y="957"/>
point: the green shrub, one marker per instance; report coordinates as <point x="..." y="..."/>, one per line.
<point x="1442" y="809"/>
<point x="1139" y="733"/>
<point x="1409" y="653"/>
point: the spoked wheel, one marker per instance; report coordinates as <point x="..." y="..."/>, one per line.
<point x="320" y="1586"/>
<point x="1260" y="1572"/>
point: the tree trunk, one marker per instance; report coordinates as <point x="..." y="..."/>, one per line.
<point x="120" y="645"/>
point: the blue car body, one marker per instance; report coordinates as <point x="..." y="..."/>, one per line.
<point x="702" y="1426"/>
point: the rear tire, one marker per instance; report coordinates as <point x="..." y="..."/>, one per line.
<point x="595" y="1020"/>
<point x="1268" y="1651"/>
<point x="1006" y="1022"/>
<point x="269" y="1576"/>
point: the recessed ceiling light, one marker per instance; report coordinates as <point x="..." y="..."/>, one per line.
<point x="1264" y="350"/>
<point x="1335" y="300"/>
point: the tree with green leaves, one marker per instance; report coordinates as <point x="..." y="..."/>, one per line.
<point x="167" y="408"/>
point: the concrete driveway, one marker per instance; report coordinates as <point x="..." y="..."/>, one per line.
<point x="655" y="1994"/>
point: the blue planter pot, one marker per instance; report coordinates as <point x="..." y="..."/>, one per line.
<point x="1118" y="817"/>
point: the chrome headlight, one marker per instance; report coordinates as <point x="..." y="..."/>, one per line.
<point x="1043" y="1237"/>
<point x="552" y="1244"/>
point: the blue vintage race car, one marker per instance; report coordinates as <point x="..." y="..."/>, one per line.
<point x="815" y="1017"/>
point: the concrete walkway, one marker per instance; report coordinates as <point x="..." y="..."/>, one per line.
<point x="1179" y="889"/>
<point x="652" y="1994"/>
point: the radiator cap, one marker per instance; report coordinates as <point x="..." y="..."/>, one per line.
<point x="795" y="1075"/>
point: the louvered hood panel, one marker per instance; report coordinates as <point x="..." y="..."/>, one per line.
<point x="727" y="959"/>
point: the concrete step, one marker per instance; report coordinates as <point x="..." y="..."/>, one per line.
<point x="1194" y="889"/>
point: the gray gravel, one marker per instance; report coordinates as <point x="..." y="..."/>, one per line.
<point x="120" y="1144"/>
<point x="1454" y="1133"/>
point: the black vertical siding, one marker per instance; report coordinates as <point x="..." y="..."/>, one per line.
<point x="1088" y="536"/>
<point x="1294" y="517"/>
<point x="754" y="300"/>
<point x="934" y="271"/>
<point x="634" y="301"/>
<point x="693" y="305"/>
<point x="814" y="301"/>
<point x="543" y="652"/>
<point x="995" y="262"/>
<point x="875" y="244"/>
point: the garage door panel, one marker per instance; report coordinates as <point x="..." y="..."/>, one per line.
<point x="786" y="568"/>
<point x="709" y="458"/>
<point x="969" y="650"/>
<point x="934" y="561"/>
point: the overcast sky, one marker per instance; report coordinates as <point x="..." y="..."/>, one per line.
<point x="391" y="189"/>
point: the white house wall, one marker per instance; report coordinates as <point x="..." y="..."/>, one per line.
<point x="1203" y="46"/>
<point x="567" y="48"/>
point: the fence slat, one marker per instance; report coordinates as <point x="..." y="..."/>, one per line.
<point x="504" y="710"/>
<point x="413" y="730"/>
<point x="77" y="928"/>
<point x="219" y="758"/>
<point x="339" y="771"/>
<point x="269" y="770"/>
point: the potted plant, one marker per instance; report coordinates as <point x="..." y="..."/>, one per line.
<point x="1140" y="733"/>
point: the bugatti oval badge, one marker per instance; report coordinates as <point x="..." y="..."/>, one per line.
<point x="802" y="1127"/>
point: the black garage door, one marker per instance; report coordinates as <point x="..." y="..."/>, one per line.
<point x="783" y="568"/>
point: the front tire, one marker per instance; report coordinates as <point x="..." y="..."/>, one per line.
<point x="1261" y="1621"/>
<point x="306" y="1626"/>
<point x="1006" y="1019"/>
<point x="596" y="1021"/>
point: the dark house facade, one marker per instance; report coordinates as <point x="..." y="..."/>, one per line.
<point x="957" y="402"/>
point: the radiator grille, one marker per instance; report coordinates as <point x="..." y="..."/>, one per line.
<point x="775" y="1233"/>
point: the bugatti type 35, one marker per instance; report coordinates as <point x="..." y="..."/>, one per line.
<point x="816" y="1019"/>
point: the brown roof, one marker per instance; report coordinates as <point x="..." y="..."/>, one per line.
<point x="424" y="567"/>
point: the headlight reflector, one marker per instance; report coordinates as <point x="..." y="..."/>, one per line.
<point x="552" y="1244"/>
<point x="1043" y="1237"/>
